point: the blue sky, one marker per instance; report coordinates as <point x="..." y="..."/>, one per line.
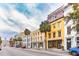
<point x="15" y="17"/>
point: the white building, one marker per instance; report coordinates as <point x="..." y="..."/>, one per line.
<point x="27" y="41"/>
<point x="71" y="37"/>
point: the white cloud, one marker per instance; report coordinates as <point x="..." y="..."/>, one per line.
<point x="21" y="19"/>
<point x="3" y="25"/>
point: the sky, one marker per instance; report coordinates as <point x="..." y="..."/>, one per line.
<point x="15" y="17"/>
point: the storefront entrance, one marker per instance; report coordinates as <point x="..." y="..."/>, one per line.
<point x="40" y="45"/>
<point x="50" y="44"/>
<point x="68" y="43"/>
<point x="59" y="44"/>
<point x="55" y="44"/>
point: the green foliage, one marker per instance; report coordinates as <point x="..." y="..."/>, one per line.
<point x="15" y="39"/>
<point x="45" y="27"/>
<point x="0" y="41"/>
<point x="26" y="32"/>
<point x="77" y="27"/>
<point x="74" y="15"/>
<point x="19" y="39"/>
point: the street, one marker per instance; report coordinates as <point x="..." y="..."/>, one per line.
<point x="11" y="51"/>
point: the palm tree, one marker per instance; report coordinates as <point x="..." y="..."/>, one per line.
<point x="0" y="41"/>
<point x="74" y="15"/>
<point x="44" y="28"/>
<point x="27" y="32"/>
<point x="19" y="39"/>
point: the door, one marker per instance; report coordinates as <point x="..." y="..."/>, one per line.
<point x="59" y="44"/>
<point x="68" y="43"/>
<point x="77" y="41"/>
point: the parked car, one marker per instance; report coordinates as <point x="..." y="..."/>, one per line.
<point x="74" y="51"/>
<point x="17" y="46"/>
<point x="23" y="46"/>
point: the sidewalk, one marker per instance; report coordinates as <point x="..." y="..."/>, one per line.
<point x="57" y="52"/>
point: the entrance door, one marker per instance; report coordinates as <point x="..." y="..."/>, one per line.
<point x="50" y="44"/>
<point x="54" y="44"/>
<point x="68" y="43"/>
<point x="59" y="44"/>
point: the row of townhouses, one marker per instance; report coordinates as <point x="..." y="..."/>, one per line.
<point x="62" y="35"/>
<point x="25" y="41"/>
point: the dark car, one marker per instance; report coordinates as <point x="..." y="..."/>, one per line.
<point x="74" y="51"/>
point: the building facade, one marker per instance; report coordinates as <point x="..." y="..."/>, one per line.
<point x="38" y="39"/>
<point x="56" y="35"/>
<point x="26" y="40"/>
<point x="71" y="38"/>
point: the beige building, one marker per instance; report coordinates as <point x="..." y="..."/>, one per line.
<point x="38" y="39"/>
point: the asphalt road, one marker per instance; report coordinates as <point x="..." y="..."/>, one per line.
<point x="9" y="51"/>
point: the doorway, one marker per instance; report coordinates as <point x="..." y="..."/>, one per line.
<point x="68" y="43"/>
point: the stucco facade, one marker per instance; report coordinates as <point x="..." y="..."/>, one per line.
<point x="71" y="38"/>
<point x="56" y="20"/>
<point x="38" y="39"/>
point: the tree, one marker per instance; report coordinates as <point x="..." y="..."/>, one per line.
<point x="74" y="15"/>
<point x="11" y="42"/>
<point x="44" y="28"/>
<point x="0" y="41"/>
<point x="19" y="39"/>
<point x="27" y="32"/>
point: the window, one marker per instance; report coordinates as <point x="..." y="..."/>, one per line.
<point x="49" y="35"/>
<point x="54" y="17"/>
<point x="59" y="25"/>
<point x="41" y="38"/>
<point x="54" y="35"/>
<point x="53" y="25"/>
<point x="59" y="33"/>
<point x="69" y="30"/>
<point x="38" y="33"/>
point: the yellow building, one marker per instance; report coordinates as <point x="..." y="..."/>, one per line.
<point x="38" y="39"/>
<point x="56" y="35"/>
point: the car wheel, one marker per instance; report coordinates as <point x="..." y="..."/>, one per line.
<point x="74" y="53"/>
